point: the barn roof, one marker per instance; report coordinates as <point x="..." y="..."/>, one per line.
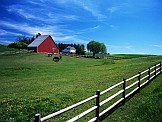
<point x="38" y="41"/>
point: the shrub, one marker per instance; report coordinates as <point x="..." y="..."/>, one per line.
<point x="18" y="45"/>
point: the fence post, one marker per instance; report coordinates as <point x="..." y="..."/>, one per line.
<point x="160" y="67"/>
<point x="155" y="70"/>
<point x="149" y="74"/>
<point x="98" y="105"/>
<point x="139" y="80"/>
<point x="37" y="118"/>
<point x="123" y="95"/>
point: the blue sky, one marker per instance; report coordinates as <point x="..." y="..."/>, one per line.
<point x="124" y="26"/>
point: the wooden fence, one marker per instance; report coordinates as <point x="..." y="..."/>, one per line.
<point x="129" y="87"/>
<point x="15" y="52"/>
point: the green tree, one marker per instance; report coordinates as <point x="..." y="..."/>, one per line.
<point x="23" y="39"/>
<point x="103" y="48"/>
<point x="79" y="49"/>
<point x="18" y="45"/>
<point x="22" y="45"/>
<point x="31" y="40"/>
<point x="96" y="47"/>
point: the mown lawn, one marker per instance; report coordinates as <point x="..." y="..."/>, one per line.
<point x="33" y="83"/>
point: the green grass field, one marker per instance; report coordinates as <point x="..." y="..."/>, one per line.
<point x="145" y="106"/>
<point x="33" y="83"/>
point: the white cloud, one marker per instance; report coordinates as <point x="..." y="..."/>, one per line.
<point x="6" y="42"/>
<point x="54" y="31"/>
<point x="26" y="28"/>
<point x="71" y="39"/>
<point x="55" y="18"/>
<point x="85" y="5"/>
<point x="159" y="46"/>
<point x="88" y="30"/>
<point x="113" y="9"/>
<point x="41" y="13"/>
<point x="93" y="9"/>
<point x="32" y="30"/>
<point x="4" y="32"/>
<point x="24" y="12"/>
<point x="126" y="49"/>
<point x="113" y="27"/>
<point x="96" y="27"/>
<point x="121" y="8"/>
<point x="51" y="19"/>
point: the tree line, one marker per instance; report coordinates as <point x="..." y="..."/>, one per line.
<point x="93" y="46"/>
<point x="80" y="48"/>
<point x="22" y="42"/>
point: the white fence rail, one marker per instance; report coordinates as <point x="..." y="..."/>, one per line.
<point x="15" y="52"/>
<point x="143" y="78"/>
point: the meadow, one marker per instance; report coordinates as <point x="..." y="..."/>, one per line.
<point x="33" y="83"/>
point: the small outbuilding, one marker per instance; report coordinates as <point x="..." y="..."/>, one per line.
<point x="45" y="44"/>
<point x="69" y="49"/>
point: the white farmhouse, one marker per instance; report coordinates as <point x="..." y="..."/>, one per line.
<point x="69" y="49"/>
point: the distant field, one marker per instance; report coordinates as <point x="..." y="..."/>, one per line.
<point x="33" y="83"/>
<point x="129" y="56"/>
<point x="121" y="56"/>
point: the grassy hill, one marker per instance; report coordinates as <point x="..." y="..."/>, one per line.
<point x="5" y="48"/>
<point x="33" y="83"/>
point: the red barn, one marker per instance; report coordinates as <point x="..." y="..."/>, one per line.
<point x="44" y="43"/>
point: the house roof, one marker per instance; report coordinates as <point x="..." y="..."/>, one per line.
<point x="38" y="41"/>
<point x="72" y="48"/>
